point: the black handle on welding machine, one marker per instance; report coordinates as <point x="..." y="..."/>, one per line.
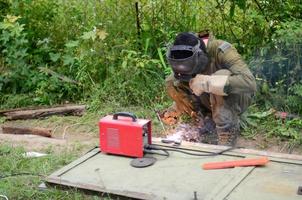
<point x="124" y="114"/>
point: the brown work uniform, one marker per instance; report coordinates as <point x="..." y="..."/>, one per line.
<point x="225" y="110"/>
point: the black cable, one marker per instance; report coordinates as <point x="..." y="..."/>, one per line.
<point x="183" y="150"/>
<point x="195" y="150"/>
<point x="193" y="154"/>
<point x="92" y="150"/>
<point x="167" y="154"/>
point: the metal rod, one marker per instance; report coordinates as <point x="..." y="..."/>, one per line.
<point x="159" y="119"/>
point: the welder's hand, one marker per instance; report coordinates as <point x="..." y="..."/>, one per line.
<point x="200" y="84"/>
<point x="211" y="84"/>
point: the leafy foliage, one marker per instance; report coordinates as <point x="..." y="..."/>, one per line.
<point x="278" y="66"/>
<point x="100" y="51"/>
<point x="56" y="51"/>
<point x="271" y="124"/>
<point x="15" y="54"/>
<point x="137" y="79"/>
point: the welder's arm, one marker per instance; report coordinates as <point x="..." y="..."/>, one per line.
<point x="215" y="84"/>
<point x="235" y="77"/>
<point x="241" y="80"/>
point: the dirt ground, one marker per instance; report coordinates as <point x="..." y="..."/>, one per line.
<point x="258" y="142"/>
<point x="76" y="133"/>
<point x="272" y="144"/>
<point x="67" y="133"/>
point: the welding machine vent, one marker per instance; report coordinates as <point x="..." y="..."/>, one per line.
<point x="124" y="134"/>
<point x="113" y="138"/>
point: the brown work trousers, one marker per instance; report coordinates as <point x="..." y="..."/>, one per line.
<point x="225" y="110"/>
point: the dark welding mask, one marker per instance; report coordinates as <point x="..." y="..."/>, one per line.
<point x="187" y="61"/>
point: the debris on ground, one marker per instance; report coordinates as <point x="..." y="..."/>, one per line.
<point x="277" y="114"/>
<point x="169" y="116"/>
<point x="175" y="138"/>
<point x="191" y="132"/>
<point x="33" y="154"/>
<point x="286" y="116"/>
<point x="186" y="132"/>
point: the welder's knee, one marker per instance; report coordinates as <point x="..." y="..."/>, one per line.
<point x="226" y="112"/>
<point x="225" y="117"/>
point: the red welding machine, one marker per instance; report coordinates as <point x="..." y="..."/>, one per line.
<point x="124" y="134"/>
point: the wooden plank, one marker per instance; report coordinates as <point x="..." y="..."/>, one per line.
<point x="76" y="110"/>
<point x="57" y="179"/>
<point x="33" y="108"/>
<point x="182" y="173"/>
<point x="26" y="130"/>
<point x="226" y="186"/>
<point x="18" y="109"/>
<point x="75" y="163"/>
<point x="277" y="181"/>
<point x="91" y="187"/>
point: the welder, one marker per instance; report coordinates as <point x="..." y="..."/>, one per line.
<point x="211" y="83"/>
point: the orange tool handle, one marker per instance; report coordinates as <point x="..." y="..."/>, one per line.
<point x="236" y="163"/>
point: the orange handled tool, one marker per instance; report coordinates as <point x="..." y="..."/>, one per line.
<point x="236" y="163"/>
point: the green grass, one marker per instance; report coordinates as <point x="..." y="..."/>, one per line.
<point x="26" y="186"/>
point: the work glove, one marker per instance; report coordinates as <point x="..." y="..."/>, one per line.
<point x="214" y="84"/>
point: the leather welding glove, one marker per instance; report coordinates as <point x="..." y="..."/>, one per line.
<point x="214" y="84"/>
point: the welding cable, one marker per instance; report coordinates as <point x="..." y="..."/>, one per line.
<point x="184" y="151"/>
<point x="166" y="153"/>
<point x="196" y="150"/>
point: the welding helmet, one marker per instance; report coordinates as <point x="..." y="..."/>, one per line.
<point x="187" y="60"/>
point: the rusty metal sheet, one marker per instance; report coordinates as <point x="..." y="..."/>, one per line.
<point x="181" y="177"/>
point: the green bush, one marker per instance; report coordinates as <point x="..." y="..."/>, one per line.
<point x="137" y="80"/>
<point x="14" y="49"/>
<point x="56" y="50"/>
<point x="278" y="68"/>
<point x="19" y="75"/>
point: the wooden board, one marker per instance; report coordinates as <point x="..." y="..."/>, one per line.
<point x="180" y="176"/>
<point x="77" y="110"/>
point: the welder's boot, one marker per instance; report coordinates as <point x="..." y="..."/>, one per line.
<point x="208" y="133"/>
<point x="227" y="135"/>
